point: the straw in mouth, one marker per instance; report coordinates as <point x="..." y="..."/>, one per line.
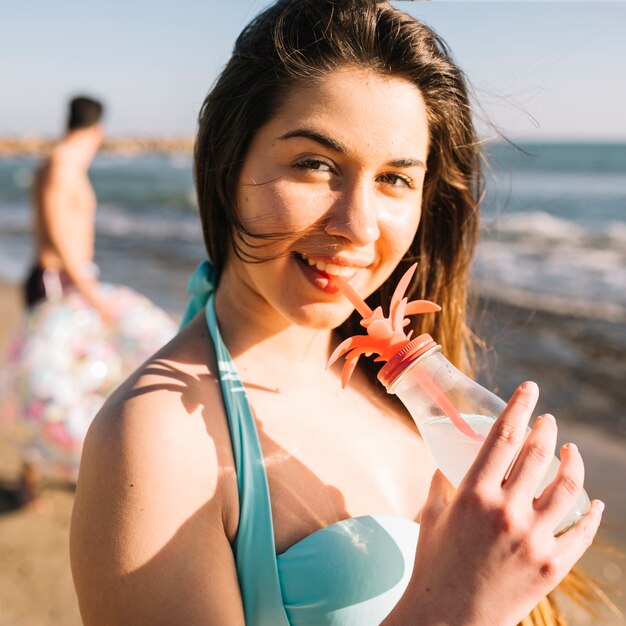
<point x="346" y="289"/>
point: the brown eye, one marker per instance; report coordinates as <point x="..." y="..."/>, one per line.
<point x="313" y="164"/>
<point x="397" y="180"/>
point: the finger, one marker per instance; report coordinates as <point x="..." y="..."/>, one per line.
<point x="560" y="495"/>
<point x="440" y="494"/>
<point x="505" y="437"/>
<point x="537" y="453"/>
<point x="573" y="543"/>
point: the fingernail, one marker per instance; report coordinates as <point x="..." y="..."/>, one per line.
<point x="600" y="505"/>
<point x="571" y="447"/>
<point x="546" y="416"/>
<point x="530" y="387"/>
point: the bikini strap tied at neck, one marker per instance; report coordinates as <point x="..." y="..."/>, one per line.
<point x="200" y="286"/>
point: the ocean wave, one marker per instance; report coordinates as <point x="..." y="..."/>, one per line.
<point x="536" y="224"/>
<point x="15" y="221"/>
<point x="558" y="276"/>
<point x="616" y="231"/>
<point x="540" y="227"/>
<point x="156" y="228"/>
<point x="112" y="221"/>
<point x="562" y="305"/>
<point x="558" y="184"/>
<point x="537" y="260"/>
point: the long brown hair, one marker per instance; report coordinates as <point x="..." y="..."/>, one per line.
<point x="297" y="41"/>
<point x="293" y="42"/>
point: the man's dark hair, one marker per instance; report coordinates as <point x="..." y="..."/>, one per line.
<point x="83" y="112"/>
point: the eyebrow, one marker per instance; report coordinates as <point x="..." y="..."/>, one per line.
<point x="333" y="144"/>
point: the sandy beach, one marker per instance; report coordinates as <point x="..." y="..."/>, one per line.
<point x="35" y="581"/>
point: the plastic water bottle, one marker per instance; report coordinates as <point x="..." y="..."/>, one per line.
<point x="453" y="413"/>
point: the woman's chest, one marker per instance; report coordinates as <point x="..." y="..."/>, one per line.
<point x="332" y="458"/>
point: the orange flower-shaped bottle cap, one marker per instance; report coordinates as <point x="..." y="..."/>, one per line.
<point x="385" y="335"/>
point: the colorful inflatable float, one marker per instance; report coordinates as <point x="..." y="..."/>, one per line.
<point x="62" y="363"/>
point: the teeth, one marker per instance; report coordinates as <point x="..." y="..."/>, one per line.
<point x="345" y="271"/>
<point x="336" y="270"/>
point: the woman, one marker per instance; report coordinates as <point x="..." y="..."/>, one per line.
<point x="337" y="141"/>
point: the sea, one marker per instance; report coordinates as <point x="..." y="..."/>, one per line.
<point x="549" y="273"/>
<point x="554" y="228"/>
<point x="553" y="233"/>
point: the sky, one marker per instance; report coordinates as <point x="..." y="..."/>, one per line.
<point x="539" y="70"/>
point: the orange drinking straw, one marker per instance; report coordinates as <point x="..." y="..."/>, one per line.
<point x="346" y="289"/>
<point x="448" y="409"/>
<point x="385" y="336"/>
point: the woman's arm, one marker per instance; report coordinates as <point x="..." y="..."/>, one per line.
<point x="148" y="544"/>
<point x="486" y="553"/>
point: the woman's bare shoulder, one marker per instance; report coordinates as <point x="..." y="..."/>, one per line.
<point x="164" y="432"/>
<point x="156" y="490"/>
<point x="173" y="397"/>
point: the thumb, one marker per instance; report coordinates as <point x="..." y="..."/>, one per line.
<point x="440" y="494"/>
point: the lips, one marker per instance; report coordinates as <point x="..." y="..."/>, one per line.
<point x="343" y="267"/>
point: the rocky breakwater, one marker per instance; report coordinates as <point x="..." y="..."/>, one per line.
<point x="35" y="145"/>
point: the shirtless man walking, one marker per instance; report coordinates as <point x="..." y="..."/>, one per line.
<point x="65" y="205"/>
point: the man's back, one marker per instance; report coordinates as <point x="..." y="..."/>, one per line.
<point x="65" y="203"/>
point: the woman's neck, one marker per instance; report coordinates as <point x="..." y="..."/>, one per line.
<point x="253" y="329"/>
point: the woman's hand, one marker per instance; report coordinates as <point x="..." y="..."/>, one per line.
<point x="487" y="553"/>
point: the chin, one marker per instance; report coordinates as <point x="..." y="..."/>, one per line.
<point x="320" y="316"/>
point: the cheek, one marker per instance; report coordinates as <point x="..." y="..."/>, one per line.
<point x="399" y="228"/>
<point x="278" y="208"/>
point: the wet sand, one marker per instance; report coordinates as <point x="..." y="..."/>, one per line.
<point x="35" y="581"/>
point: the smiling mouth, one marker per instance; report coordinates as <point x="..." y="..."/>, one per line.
<point x="326" y="268"/>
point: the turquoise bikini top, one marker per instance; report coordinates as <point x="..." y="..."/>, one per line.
<point x="352" y="572"/>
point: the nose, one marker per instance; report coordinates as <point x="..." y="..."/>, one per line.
<point x="354" y="216"/>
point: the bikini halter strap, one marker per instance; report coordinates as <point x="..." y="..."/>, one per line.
<point x="200" y="286"/>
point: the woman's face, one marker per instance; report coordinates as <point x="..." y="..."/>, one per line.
<point x="341" y="169"/>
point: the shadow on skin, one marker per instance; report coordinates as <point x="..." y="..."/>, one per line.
<point x="184" y="383"/>
<point x="299" y="498"/>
